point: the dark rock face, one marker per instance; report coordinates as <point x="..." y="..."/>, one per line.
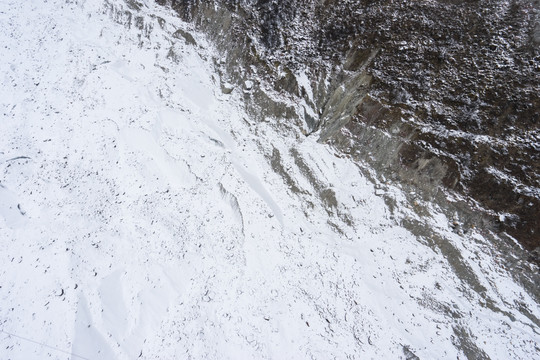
<point x="468" y="75"/>
<point x="438" y="94"/>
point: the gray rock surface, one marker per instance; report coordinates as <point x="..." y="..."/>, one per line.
<point x="440" y="95"/>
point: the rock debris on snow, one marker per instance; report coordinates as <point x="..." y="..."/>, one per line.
<point x="156" y="222"/>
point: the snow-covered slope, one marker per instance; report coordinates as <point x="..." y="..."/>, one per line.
<point x="144" y="214"/>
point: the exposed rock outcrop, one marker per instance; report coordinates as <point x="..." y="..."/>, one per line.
<point x="440" y="95"/>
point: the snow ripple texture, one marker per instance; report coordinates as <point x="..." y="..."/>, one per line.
<point x="143" y="214"/>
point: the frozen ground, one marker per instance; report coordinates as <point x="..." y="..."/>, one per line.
<point x="143" y="214"/>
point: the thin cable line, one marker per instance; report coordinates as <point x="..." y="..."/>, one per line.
<point x="45" y="345"/>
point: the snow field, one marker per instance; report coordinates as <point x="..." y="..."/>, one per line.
<point x="140" y="216"/>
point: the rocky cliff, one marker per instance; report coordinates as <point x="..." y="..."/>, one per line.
<point x="441" y="96"/>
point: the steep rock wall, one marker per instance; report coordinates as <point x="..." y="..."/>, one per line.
<point x="440" y="95"/>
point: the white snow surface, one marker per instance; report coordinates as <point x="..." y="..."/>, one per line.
<point x="140" y="216"/>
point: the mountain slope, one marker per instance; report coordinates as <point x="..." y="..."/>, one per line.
<point x="439" y="95"/>
<point x="145" y="213"/>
